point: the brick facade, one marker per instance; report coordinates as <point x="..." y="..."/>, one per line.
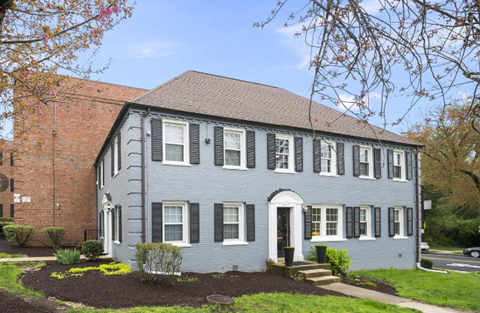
<point x="59" y="176"/>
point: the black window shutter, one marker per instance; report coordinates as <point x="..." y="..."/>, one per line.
<point x="12" y="188"/>
<point x="271" y="151"/>
<point x="390" y="163"/>
<point x="112" y="153"/>
<point x="250" y="149"/>
<point x="157" y="139"/>
<point x="103" y="171"/>
<point x="298" y="154"/>
<point x="114" y="230"/>
<point x="218" y="218"/>
<point x="378" y="222"/>
<point x="11" y="159"/>
<point x="408" y="156"/>
<point x="194" y="143"/>
<point x="119" y="151"/>
<point x="98" y="177"/>
<point x="409" y="221"/>
<point x="349" y="221"/>
<point x="157" y="222"/>
<point x="119" y="209"/>
<point x="194" y="222"/>
<point x="250" y="222"/>
<point x="12" y="210"/>
<point x="100" y="225"/>
<point x="377" y="157"/>
<point x="356" y="160"/>
<point x="218" y="145"/>
<point x="316" y="156"/>
<point x="1" y="210"/>
<point x="340" y="158"/>
<point x="1" y="158"/>
<point x="356" y="217"/>
<point x="391" y="222"/>
<point x="308" y="223"/>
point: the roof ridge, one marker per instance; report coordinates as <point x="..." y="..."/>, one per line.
<point x="237" y="79"/>
<point x="158" y="87"/>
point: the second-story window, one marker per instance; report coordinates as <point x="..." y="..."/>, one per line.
<point x="175" y="143"/>
<point x="101" y="174"/>
<point x="328" y="158"/>
<point x="398" y="168"/>
<point x="234" y="148"/>
<point x="115" y="156"/>
<point x="366" y="162"/>
<point x="284" y="153"/>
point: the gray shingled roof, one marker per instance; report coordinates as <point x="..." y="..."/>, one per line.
<point x="213" y="95"/>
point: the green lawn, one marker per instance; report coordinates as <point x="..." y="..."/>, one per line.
<point x="8" y="256"/>
<point x="457" y="290"/>
<point x="279" y="302"/>
<point x="447" y="248"/>
<point x="9" y="275"/>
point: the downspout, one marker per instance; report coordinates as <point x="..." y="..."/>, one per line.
<point x="144" y="236"/>
<point x="417" y="204"/>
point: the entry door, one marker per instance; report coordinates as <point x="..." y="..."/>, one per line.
<point x="283" y="230"/>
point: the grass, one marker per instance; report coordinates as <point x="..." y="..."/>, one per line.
<point x="457" y="290"/>
<point x="8" y="256"/>
<point x="446" y="248"/>
<point x="277" y="302"/>
<point x="9" y="275"/>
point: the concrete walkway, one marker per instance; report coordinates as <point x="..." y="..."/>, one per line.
<point x="383" y="297"/>
<point x="45" y="259"/>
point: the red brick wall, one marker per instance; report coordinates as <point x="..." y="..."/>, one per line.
<point x="60" y="176"/>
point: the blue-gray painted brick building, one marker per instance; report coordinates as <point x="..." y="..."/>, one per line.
<point x="233" y="171"/>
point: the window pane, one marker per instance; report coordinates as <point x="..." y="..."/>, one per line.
<point x="363" y="155"/>
<point x="364" y="169"/>
<point x="173" y="214"/>
<point x="326" y="151"/>
<point x="397" y="228"/>
<point x="282" y="146"/>
<point x="174" y="134"/>
<point x="173" y="153"/>
<point x="397" y="172"/>
<point x="398" y="159"/>
<point x="232" y="141"/>
<point x="232" y="157"/>
<point x="363" y="215"/>
<point x="173" y="233"/>
<point x="316" y="215"/>
<point x="326" y="166"/>
<point x="363" y="229"/>
<point x="230" y="214"/>
<point x="282" y="161"/>
<point x="230" y="231"/>
<point x="331" y="229"/>
<point x="332" y="215"/>
<point x="316" y="229"/>
<point x="397" y="215"/>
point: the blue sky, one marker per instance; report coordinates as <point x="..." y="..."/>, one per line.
<point x="163" y="39"/>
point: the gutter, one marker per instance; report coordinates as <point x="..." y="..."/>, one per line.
<point x="144" y="236"/>
<point x="419" y="267"/>
<point x="417" y="204"/>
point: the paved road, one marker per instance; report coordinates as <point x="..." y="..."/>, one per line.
<point x="454" y="262"/>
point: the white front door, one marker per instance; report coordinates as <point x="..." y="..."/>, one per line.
<point x="108" y="232"/>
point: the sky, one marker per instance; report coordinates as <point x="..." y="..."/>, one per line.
<point x="165" y="38"/>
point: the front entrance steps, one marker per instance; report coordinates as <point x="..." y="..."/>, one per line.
<point x="313" y="273"/>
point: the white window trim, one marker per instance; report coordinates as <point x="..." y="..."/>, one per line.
<point x="241" y="225"/>
<point x="117" y="224"/>
<point x="370" y="162"/>
<point x="368" y="217"/>
<point x="243" y="150"/>
<point x="291" y="155"/>
<point x="185" y="223"/>
<point x="323" y="224"/>
<point x="402" y="166"/>
<point x="186" y="148"/>
<point x="100" y="174"/>
<point x="402" y="222"/>
<point x="115" y="156"/>
<point x="333" y="165"/>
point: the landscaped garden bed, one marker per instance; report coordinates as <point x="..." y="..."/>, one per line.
<point x="8" y="248"/>
<point x="372" y="284"/>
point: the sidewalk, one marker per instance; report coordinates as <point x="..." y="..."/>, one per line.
<point x="45" y="259"/>
<point x="446" y="252"/>
<point x="383" y="297"/>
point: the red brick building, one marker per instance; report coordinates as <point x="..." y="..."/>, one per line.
<point x="58" y="178"/>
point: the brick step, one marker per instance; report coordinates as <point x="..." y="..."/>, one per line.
<point x="316" y="273"/>
<point x="324" y="280"/>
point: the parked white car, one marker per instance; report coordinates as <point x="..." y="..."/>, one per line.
<point x="424" y="246"/>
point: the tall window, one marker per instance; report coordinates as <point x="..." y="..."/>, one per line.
<point x="398" y="221"/>
<point x="316" y="221"/>
<point x="174" y="222"/>
<point x="398" y="161"/>
<point x="332" y="222"/>
<point x="365" y="222"/>
<point x="101" y="172"/>
<point x="234" y="148"/>
<point x="328" y="158"/>
<point x="284" y="153"/>
<point x="366" y="162"/>
<point x="115" y="156"/>
<point x="232" y="221"/>
<point x="327" y="222"/>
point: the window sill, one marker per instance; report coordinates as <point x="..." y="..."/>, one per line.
<point x="176" y="164"/>
<point x="329" y="175"/>
<point x="117" y="242"/>
<point x="235" y="243"/>
<point x="367" y="239"/>
<point x="367" y="177"/>
<point x="327" y="239"/>
<point x="400" y="180"/>
<point x="116" y="174"/>
<point x="180" y="244"/>
<point x="396" y="237"/>
<point x="237" y="168"/>
<point x="284" y="171"/>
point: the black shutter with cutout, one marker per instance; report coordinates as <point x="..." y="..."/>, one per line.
<point x="218" y="219"/>
<point x="119" y="151"/>
<point x="98" y="177"/>
<point x="12" y="187"/>
<point x="356" y="218"/>
<point x="250" y="148"/>
<point x="1" y="158"/>
<point x="377" y="159"/>
<point x="114" y="230"/>
<point x="408" y="156"/>
<point x="194" y="143"/>
<point x="317" y="156"/>
<point x="100" y="225"/>
<point x="390" y="163"/>
<point x="103" y="172"/>
<point x="391" y="222"/>
<point x="340" y="158"/>
<point x="12" y="210"/>
<point x="112" y="158"/>
<point x="378" y="222"/>
<point x="409" y="221"/>
<point x="119" y="215"/>
<point x="194" y="222"/>
<point x="218" y="145"/>
<point x="356" y="160"/>
<point x="250" y="222"/>
<point x="308" y="223"/>
<point x="11" y="159"/>
<point x="298" y="154"/>
<point x="157" y="222"/>
<point x="1" y="210"/>
<point x="349" y="221"/>
<point x="157" y="139"/>
<point x="271" y="151"/>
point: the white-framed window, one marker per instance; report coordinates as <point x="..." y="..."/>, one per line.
<point x="366" y="162"/>
<point x="327" y="222"/>
<point x="234" y="146"/>
<point x="284" y="153"/>
<point x="175" y="147"/>
<point x="101" y="172"/>
<point x="398" y="221"/>
<point x="175" y="226"/>
<point x="328" y="157"/>
<point x="233" y="225"/>
<point x="117" y="224"/>
<point x="398" y="165"/>
<point x="115" y="156"/>
<point x="365" y="221"/>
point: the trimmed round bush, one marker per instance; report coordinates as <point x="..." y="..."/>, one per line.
<point x="18" y="235"/>
<point x="3" y="224"/>
<point x="6" y="219"/>
<point x="54" y="235"/>
<point x="426" y="263"/>
<point x="92" y="249"/>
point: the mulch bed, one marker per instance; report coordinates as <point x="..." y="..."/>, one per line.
<point x="123" y="291"/>
<point x="6" y="247"/>
<point x="12" y="303"/>
<point x="382" y="286"/>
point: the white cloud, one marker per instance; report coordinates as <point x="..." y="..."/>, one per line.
<point x="296" y="44"/>
<point x="347" y="102"/>
<point x="153" y="49"/>
<point x="371" y="6"/>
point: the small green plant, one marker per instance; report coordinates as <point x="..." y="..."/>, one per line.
<point x="352" y="276"/>
<point x="8" y="256"/>
<point x="2" y="224"/>
<point x="426" y="263"/>
<point x="113" y="268"/>
<point x="92" y="249"/>
<point x="187" y="279"/>
<point x="158" y="260"/>
<point x="369" y="284"/>
<point x="218" y="275"/>
<point x="54" y="235"/>
<point x="68" y="256"/>
<point x="298" y="277"/>
<point x="18" y="235"/>
<point x="338" y="259"/>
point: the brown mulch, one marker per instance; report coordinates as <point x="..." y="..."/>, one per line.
<point x="7" y="247"/>
<point x="12" y="303"/>
<point x="123" y="291"/>
<point x="382" y="286"/>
